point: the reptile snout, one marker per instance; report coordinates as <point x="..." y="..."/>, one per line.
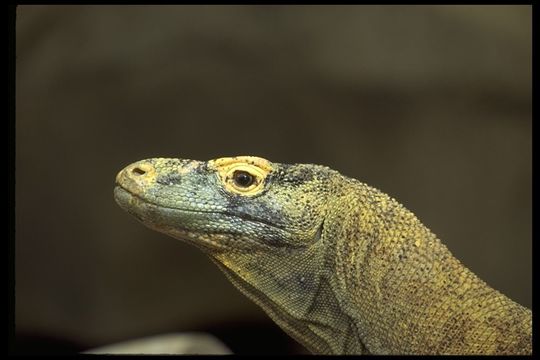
<point x="137" y="177"/>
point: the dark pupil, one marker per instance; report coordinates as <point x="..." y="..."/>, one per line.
<point x="243" y="179"/>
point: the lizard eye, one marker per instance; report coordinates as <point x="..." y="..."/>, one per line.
<point x="244" y="181"/>
<point x="243" y="178"/>
<point x="242" y="175"/>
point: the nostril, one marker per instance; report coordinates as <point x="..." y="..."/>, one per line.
<point x="137" y="171"/>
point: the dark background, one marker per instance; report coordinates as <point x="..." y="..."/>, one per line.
<point x="431" y="104"/>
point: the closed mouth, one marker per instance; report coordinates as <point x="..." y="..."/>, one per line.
<point x="119" y="189"/>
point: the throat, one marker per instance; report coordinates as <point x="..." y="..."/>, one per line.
<point x="313" y="317"/>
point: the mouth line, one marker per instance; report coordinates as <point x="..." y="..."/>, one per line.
<point x="164" y="207"/>
<point x="242" y="216"/>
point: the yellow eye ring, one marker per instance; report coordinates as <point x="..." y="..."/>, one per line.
<point x="242" y="175"/>
<point x="244" y="179"/>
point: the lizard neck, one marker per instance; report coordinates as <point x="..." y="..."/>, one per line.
<point x="300" y="299"/>
<point x="406" y="291"/>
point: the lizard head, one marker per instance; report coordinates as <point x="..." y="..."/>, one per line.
<point x="238" y="203"/>
<point x="262" y="223"/>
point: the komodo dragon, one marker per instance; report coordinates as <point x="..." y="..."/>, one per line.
<point x="342" y="267"/>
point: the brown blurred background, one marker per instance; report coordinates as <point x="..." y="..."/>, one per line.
<point x="431" y="104"/>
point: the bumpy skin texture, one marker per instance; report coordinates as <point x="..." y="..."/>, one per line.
<point x="342" y="267"/>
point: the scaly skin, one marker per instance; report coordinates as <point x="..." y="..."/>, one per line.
<point x="342" y="267"/>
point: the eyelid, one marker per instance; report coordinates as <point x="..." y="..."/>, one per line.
<point x="258" y="175"/>
<point x="258" y="167"/>
<point x="256" y="180"/>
